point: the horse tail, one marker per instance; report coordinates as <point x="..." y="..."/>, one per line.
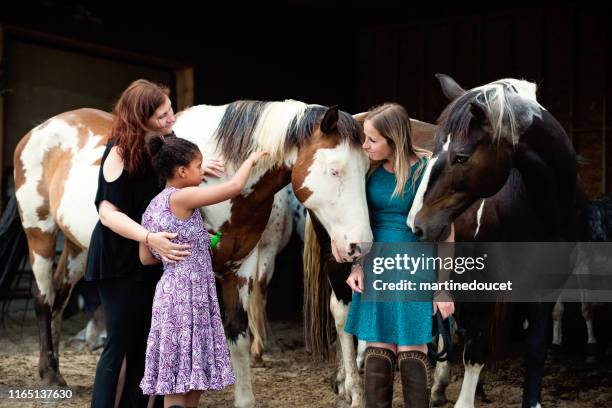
<point x="13" y="245"/>
<point x="317" y="292"/>
<point x="256" y="311"/>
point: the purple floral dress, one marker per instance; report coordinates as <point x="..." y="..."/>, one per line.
<point x="186" y="349"/>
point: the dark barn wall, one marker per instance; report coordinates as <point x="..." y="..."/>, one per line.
<point x="563" y="48"/>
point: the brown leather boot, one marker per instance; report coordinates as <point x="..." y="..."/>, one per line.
<point x="417" y="378"/>
<point x="378" y="378"/>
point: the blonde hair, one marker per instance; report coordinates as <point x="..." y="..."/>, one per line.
<point x="392" y="121"/>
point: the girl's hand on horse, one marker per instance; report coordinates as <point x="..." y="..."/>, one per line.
<point x="168" y="250"/>
<point x="213" y="168"/>
<point x="446" y="308"/>
<point x="255" y="156"/>
<point x="355" y="279"/>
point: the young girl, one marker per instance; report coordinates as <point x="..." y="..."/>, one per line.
<point x="186" y="351"/>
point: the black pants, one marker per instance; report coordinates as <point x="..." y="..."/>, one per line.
<point x="127" y="310"/>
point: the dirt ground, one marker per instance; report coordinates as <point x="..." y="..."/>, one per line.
<point x="290" y="377"/>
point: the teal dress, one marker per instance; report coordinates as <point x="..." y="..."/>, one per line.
<point x="404" y="323"/>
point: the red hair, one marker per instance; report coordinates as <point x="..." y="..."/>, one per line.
<point x="132" y="111"/>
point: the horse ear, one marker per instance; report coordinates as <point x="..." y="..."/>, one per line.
<point x="450" y="88"/>
<point x="479" y="112"/>
<point x="329" y="123"/>
<point x="360" y="117"/>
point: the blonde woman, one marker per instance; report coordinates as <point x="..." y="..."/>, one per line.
<point x="394" y="331"/>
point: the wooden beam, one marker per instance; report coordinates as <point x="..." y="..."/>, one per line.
<point x="184" y="88"/>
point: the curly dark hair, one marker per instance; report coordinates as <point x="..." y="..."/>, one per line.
<point x="168" y="153"/>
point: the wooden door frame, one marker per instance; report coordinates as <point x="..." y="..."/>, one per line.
<point x="183" y="72"/>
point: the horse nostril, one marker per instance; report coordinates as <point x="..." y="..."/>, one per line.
<point x="354" y="248"/>
<point x="418" y="231"/>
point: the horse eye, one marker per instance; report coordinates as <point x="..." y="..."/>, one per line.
<point x="334" y="172"/>
<point x="459" y="159"/>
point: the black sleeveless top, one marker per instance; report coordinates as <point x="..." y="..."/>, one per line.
<point x="111" y="255"/>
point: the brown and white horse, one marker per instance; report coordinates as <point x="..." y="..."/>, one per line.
<point x="327" y="297"/>
<point x="316" y="148"/>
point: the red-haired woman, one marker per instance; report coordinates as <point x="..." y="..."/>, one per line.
<point x="126" y="185"/>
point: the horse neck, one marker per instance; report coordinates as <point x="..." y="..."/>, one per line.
<point x="547" y="164"/>
<point x="272" y="181"/>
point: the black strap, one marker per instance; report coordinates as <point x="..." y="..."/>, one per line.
<point x="444" y="334"/>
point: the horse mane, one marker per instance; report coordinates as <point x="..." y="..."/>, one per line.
<point x="495" y="98"/>
<point x="301" y="128"/>
<point x="274" y="127"/>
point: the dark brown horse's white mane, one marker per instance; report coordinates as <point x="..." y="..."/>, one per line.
<point x="507" y="116"/>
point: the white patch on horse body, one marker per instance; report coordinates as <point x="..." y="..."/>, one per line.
<point x="42" y="269"/>
<point x="198" y="125"/>
<point x="247" y="270"/>
<point x="275" y="236"/>
<point x="352" y="383"/>
<point x="56" y="134"/>
<point x="79" y="215"/>
<point x="479" y="217"/>
<point x="76" y="268"/>
<point x="417" y="204"/>
<point x="243" y="390"/>
<point x="468" y="387"/>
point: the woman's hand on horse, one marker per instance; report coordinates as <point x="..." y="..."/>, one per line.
<point x="355" y="279"/>
<point x="168" y="250"/>
<point x="446" y="308"/>
<point x="213" y="168"/>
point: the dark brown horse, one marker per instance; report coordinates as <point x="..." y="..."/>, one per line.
<point x="503" y="169"/>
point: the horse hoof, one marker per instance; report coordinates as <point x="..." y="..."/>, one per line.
<point x="53" y="379"/>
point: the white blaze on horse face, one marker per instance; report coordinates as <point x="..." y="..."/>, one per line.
<point x="417" y="204"/>
<point x="336" y="180"/>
